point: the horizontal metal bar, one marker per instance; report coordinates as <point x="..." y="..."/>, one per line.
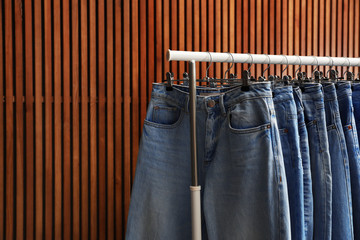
<point x="260" y="58"/>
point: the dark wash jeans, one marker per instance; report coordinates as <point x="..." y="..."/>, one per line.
<point x="241" y="168"/>
<point x="351" y="103"/>
<point x="305" y="157"/>
<point x="314" y="111"/>
<point x="287" y="118"/>
<point x="341" y="202"/>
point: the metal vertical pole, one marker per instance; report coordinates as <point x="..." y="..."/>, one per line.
<point x="194" y="188"/>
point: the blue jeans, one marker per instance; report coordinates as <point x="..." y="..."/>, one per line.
<point x="305" y="157"/>
<point x="341" y="201"/>
<point x="286" y="115"/>
<point x="314" y="111"/>
<point x="347" y="108"/>
<point x="240" y="163"/>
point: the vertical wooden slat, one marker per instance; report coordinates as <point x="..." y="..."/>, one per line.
<point x="58" y="77"/>
<point x="278" y="35"/>
<point x="285" y="31"/>
<point x="340" y="36"/>
<point x="143" y="75"/>
<point x="75" y="120"/>
<point x="291" y="26"/>
<point x="135" y="79"/>
<point x="211" y="36"/>
<point x="265" y="32"/>
<point x="93" y="122"/>
<point x="272" y="32"/>
<point x="102" y="122"/>
<point x="204" y="33"/>
<point x="110" y="119"/>
<point x="9" y="138"/>
<point x="158" y="34"/>
<point x="224" y="34"/>
<point x="303" y="31"/>
<point x="66" y="142"/>
<point x="127" y="100"/>
<point x="39" y="158"/>
<point x="2" y="133"/>
<point x="48" y="122"/>
<point x="118" y="126"/>
<point x="252" y="31"/>
<point x="258" y="31"/>
<point x="19" y="110"/>
<point x="321" y="35"/>
<point x="166" y="36"/>
<point x="151" y="43"/>
<point x="173" y="44"/>
<point x="297" y="40"/>
<point x="309" y="26"/>
<point x="232" y="29"/>
<point x="29" y="231"/>
<point x="238" y="33"/>
<point x="315" y="28"/>
<point x="356" y="34"/>
<point x="351" y="29"/>
<point x="345" y="52"/>
<point x="85" y="223"/>
<point x="196" y="25"/>
<point x="217" y="8"/>
<point x="181" y="35"/>
<point x="327" y="32"/>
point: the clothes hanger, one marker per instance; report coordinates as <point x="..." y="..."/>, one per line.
<point x="262" y="78"/>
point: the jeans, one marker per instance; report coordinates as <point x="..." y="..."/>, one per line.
<point x="346" y="107"/>
<point x="341" y="191"/>
<point x="305" y="157"/>
<point x="240" y="167"/>
<point x="286" y="115"/>
<point x="314" y="111"/>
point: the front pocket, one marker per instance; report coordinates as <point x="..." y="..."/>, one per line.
<point x="249" y="116"/>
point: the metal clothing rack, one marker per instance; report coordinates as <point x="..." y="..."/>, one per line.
<point x="193" y="57"/>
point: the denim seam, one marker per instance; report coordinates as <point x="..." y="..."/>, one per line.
<point x="343" y="148"/>
<point x="242" y="99"/>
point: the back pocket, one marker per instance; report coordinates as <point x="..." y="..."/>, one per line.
<point x="162" y="113"/>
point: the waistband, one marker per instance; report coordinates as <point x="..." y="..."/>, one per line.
<point x="355" y="87"/>
<point x="343" y="89"/>
<point x="329" y="92"/>
<point x="312" y="91"/>
<point x="227" y="96"/>
<point x="282" y="94"/>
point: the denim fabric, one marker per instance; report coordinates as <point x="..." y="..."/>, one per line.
<point x="314" y="111"/>
<point x="286" y="115"/>
<point x="341" y="191"/>
<point x="241" y="168"/>
<point x="305" y="157"/>
<point x="345" y="101"/>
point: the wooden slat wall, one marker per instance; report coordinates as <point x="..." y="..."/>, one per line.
<point x="75" y="80"/>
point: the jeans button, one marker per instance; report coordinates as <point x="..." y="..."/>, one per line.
<point x="211" y="103"/>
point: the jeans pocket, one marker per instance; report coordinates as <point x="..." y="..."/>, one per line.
<point x="249" y="116"/>
<point x="163" y="114"/>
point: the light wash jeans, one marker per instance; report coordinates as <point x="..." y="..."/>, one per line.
<point x="286" y="115"/>
<point x="314" y="110"/>
<point x="341" y="201"/>
<point x="305" y="157"/>
<point x="241" y="168"/>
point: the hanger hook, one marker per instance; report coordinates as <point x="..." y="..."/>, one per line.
<point x="348" y="67"/>
<point x="252" y="61"/>
<point x="232" y="64"/>
<point x="317" y="66"/>
<point x="299" y="65"/>
<point x="331" y="66"/>
<point x="263" y="74"/>
<point x="287" y="65"/>
<point x="207" y="69"/>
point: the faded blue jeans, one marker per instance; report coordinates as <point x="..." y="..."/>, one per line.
<point x="240" y="163"/>
<point x="314" y="111"/>
<point x="341" y="202"/>
<point x="305" y="157"/>
<point x="286" y="115"/>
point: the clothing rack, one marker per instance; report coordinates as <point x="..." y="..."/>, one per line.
<point x="193" y="57"/>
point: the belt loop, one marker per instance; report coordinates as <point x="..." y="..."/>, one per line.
<point x="222" y="107"/>
<point x="186" y="107"/>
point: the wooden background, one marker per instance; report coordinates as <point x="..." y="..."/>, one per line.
<point x="75" y="80"/>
